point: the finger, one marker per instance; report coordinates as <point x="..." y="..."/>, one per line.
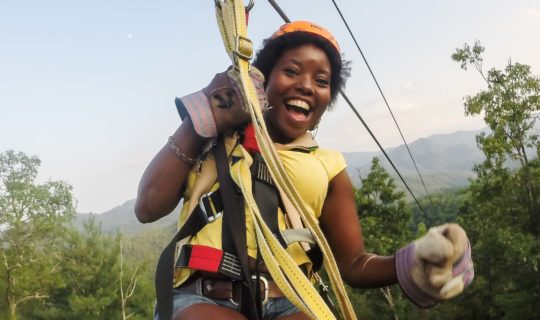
<point x="457" y="236"/>
<point x="434" y="248"/>
<point x="453" y="287"/>
<point x="438" y="276"/>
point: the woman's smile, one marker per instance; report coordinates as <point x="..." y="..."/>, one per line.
<point x="299" y="110"/>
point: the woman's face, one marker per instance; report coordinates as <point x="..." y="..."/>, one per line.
<point x="298" y="89"/>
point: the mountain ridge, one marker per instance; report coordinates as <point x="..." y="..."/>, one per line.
<point x="445" y="161"/>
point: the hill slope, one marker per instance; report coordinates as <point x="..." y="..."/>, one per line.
<point x="122" y="218"/>
<point x="444" y="160"/>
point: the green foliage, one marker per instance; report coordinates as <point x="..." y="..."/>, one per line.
<point x="386" y="224"/>
<point x="441" y="207"/>
<point x="51" y="270"/>
<point x="510" y="105"/>
<point x="469" y="56"/>
<point x="144" y="249"/>
<point x="501" y="207"/>
<point x="385" y="215"/>
<point x="91" y="270"/>
<point x="32" y="223"/>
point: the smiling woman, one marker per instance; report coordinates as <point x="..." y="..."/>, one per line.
<point x="301" y="72"/>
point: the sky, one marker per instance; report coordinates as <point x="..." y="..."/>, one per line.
<point x="89" y="86"/>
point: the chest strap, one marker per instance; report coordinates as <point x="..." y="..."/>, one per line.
<point x="234" y="222"/>
<point x="266" y="196"/>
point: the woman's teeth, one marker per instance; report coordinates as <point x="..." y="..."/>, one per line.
<point x="298" y="106"/>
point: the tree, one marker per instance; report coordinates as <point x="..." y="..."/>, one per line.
<point x="32" y="221"/>
<point x="386" y="217"/>
<point x="98" y="284"/>
<point x="501" y="210"/>
<point x="441" y="207"/>
<point x="511" y="107"/>
<point x="386" y="223"/>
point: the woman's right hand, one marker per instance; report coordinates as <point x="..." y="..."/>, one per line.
<point x="220" y="106"/>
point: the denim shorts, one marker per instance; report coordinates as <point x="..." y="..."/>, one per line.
<point x="273" y="309"/>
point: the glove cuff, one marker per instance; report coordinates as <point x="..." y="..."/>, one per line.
<point x="465" y="266"/>
<point x="405" y="262"/>
<point x="197" y="107"/>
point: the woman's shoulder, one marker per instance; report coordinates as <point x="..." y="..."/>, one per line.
<point x="331" y="159"/>
<point x="328" y="154"/>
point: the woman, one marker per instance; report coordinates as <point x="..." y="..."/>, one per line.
<point x="302" y="73"/>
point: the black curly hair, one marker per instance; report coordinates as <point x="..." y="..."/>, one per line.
<point x="272" y="49"/>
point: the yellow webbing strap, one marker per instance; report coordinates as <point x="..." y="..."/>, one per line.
<point x="288" y="276"/>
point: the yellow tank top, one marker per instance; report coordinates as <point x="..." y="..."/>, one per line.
<point x="310" y="172"/>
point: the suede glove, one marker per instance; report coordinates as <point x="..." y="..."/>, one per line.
<point x="220" y="106"/>
<point x="436" y="267"/>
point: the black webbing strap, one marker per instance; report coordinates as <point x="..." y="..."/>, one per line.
<point x="165" y="266"/>
<point x="266" y="196"/>
<point x="234" y="218"/>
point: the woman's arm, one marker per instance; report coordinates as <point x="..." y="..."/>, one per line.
<point x="340" y="224"/>
<point x="217" y="108"/>
<point x="160" y="188"/>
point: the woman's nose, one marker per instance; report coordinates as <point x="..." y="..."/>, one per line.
<point x="305" y="85"/>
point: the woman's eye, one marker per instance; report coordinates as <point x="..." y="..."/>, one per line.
<point x="290" y="71"/>
<point x="322" y="82"/>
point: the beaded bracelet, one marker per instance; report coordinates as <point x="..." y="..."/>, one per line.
<point x="179" y="154"/>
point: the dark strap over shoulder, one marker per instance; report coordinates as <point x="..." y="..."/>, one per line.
<point x="266" y="196"/>
<point x="234" y="219"/>
<point x="165" y="267"/>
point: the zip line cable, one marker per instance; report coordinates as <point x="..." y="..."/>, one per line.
<point x="382" y="149"/>
<point x="286" y="19"/>
<point x="384" y="98"/>
<point x="279" y="11"/>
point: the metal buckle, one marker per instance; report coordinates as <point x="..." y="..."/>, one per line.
<point x="231" y="300"/>
<point x="266" y="288"/>
<point x="243" y="48"/>
<point x="214" y="216"/>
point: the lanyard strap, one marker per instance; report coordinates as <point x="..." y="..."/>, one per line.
<point x="231" y="20"/>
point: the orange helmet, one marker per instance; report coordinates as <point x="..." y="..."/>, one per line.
<point x="306" y="26"/>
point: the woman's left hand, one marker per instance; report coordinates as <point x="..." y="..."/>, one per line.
<point x="436" y="267"/>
